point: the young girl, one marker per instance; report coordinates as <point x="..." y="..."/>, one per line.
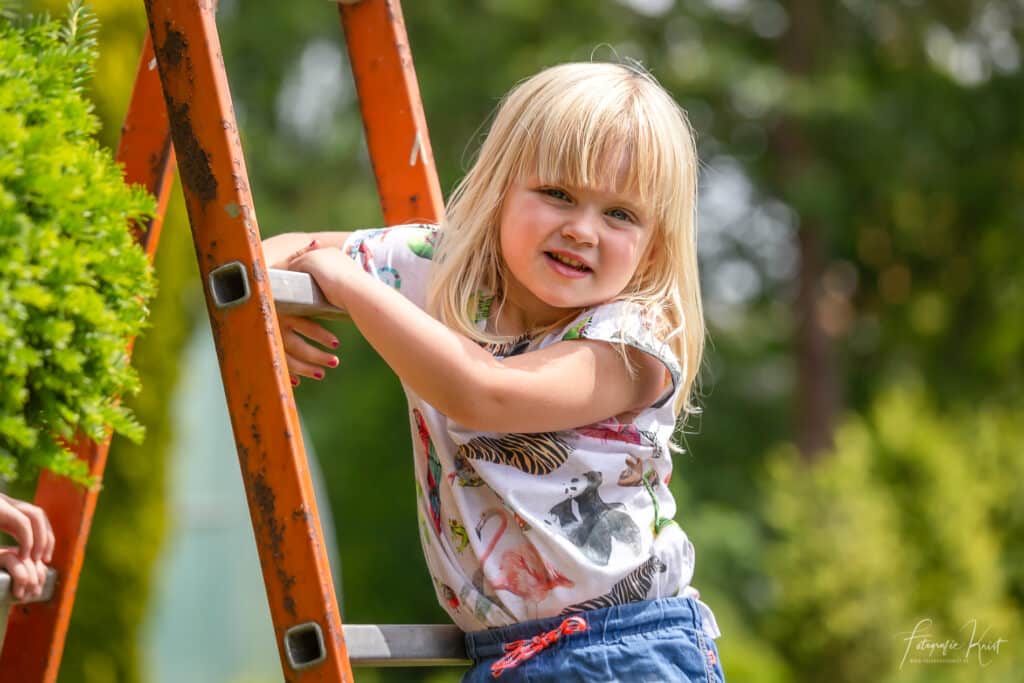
<point x="547" y="336"/>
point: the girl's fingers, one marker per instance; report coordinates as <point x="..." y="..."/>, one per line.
<point x="305" y="359"/>
<point x="300" y="350"/>
<point x="299" y="368"/>
<point x="283" y="263"/>
<point x="18" y="570"/>
<point x="41" y="578"/>
<point x="311" y="330"/>
<point x="42" y="534"/>
<point x="17" y="524"/>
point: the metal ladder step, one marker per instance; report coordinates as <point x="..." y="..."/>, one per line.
<point x="297" y="294"/>
<point x="405" y="645"/>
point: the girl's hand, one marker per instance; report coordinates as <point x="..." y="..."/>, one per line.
<point x="28" y="576"/>
<point x="332" y="269"/>
<point x="304" y="358"/>
<point x="29" y="527"/>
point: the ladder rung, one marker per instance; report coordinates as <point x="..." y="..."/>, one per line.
<point x="5" y="587"/>
<point x="405" y="645"/>
<point x="297" y="294"/>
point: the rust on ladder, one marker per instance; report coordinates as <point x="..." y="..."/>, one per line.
<point x="300" y="591"/>
<point x="36" y="632"/>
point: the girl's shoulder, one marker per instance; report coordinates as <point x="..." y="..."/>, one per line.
<point x="631" y="324"/>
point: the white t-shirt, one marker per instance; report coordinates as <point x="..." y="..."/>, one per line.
<point x="524" y="526"/>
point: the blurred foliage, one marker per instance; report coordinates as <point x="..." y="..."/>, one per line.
<point x="74" y="287"/>
<point x="913" y="517"/>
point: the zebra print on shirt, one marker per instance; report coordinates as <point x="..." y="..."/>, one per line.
<point x="539" y="454"/>
<point x="633" y="588"/>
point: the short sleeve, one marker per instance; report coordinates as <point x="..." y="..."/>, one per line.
<point x="625" y="322"/>
<point x="399" y="257"/>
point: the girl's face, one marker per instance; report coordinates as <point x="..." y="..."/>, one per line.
<point x="567" y="248"/>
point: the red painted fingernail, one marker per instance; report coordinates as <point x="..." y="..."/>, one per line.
<point x="295" y="381"/>
<point x="333" y="362"/>
<point x="318" y="374"/>
<point x="334" y="343"/>
<point x="312" y="244"/>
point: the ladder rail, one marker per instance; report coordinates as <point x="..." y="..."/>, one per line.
<point x="283" y="510"/>
<point x="393" y="118"/>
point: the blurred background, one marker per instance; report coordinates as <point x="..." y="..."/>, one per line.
<point x="858" y="471"/>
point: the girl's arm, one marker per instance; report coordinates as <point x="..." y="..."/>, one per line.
<point x="565" y="385"/>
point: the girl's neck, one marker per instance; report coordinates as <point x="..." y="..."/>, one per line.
<point x="511" y="319"/>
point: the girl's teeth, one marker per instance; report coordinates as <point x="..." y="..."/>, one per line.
<point x="569" y="262"/>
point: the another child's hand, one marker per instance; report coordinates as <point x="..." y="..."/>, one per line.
<point x="304" y="358"/>
<point x="29" y="527"/>
<point x="28" y="576"/>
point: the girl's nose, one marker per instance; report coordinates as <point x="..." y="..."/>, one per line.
<point x="581" y="229"/>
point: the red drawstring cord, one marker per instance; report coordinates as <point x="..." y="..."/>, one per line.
<point x="520" y="650"/>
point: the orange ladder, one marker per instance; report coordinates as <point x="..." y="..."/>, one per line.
<point x="199" y="118"/>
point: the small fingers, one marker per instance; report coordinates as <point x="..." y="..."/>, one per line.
<point x="312" y="330"/>
<point x="22" y="573"/>
<point x="40" y="578"/>
<point x="299" y="369"/>
<point x="15" y="522"/>
<point x="284" y="263"/>
<point x="304" y="358"/>
<point x="40" y="544"/>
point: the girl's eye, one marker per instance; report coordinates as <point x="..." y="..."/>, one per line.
<point x="556" y="193"/>
<point x="621" y="215"/>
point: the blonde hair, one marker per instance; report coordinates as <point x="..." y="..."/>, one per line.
<point x="568" y="125"/>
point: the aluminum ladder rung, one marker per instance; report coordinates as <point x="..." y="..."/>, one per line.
<point x="297" y="294"/>
<point x="405" y="645"/>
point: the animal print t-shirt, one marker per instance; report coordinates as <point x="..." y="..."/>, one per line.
<point x="524" y="526"/>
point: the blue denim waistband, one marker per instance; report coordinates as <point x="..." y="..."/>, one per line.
<point x="604" y="625"/>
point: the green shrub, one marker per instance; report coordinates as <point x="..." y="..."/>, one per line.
<point x="74" y="286"/>
<point x="915" y="516"/>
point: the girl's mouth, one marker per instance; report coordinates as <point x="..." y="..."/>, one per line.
<point x="567" y="261"/>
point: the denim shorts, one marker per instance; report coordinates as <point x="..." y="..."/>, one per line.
<point x="660" y="641"/>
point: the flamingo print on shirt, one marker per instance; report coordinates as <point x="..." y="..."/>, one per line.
<point x="521" y="570"/>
